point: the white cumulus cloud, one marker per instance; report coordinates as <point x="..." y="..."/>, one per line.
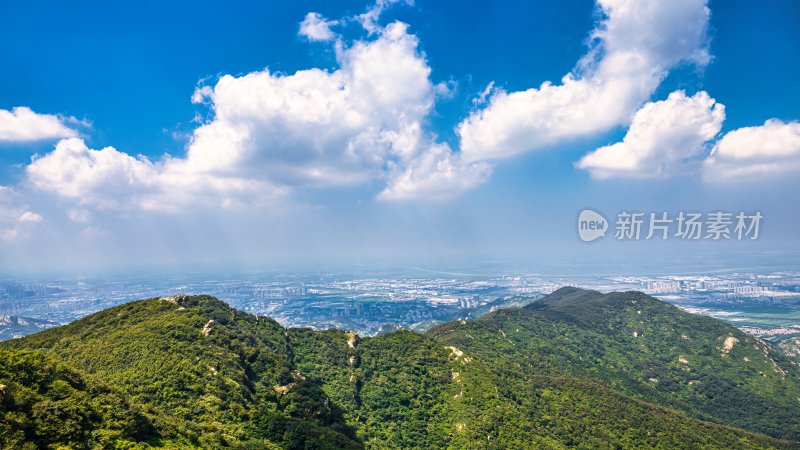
<point x="112" y="180"/>
<point x="318" y="127"/>
<point x="754" y="152"/>
<point x="22" y="124"/>
<point x="270" y="133"/>
<point x="633" y="47"/>
<point x="321" y="128"/>
<point x="314" y="27"/>
<point x="436" y="174"/>
<point x="665" y="137"/>
<point x="102" y="178"/>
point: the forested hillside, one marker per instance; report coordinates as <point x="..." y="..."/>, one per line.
<point x="575" y="369"/>
<point x="643" y="348"/>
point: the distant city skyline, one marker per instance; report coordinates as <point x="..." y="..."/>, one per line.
<point x="258" y="136"/>
<point x="761" y="303"/>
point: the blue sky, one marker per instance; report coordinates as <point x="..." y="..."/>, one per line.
<point x="432" y="165"/>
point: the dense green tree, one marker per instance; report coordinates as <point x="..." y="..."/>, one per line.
<point x="577" y="369"/>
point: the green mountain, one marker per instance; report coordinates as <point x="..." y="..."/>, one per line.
<point x="643" y="348"/>
<point x="574" y="369"/>
<point x="45" y="403"/>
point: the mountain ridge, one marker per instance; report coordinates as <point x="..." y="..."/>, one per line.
<point x="645" y="348"/>
<point x="206" y="375"/>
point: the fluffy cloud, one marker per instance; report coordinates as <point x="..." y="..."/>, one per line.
<point x="322" y="128"/>
<point x="21" y="124"/>
<point x="16" y="221"/>
<point x="665" y="137"/>
<point x="273" y="132"/>
<point x="317" y="127"/>
<point x="754" y="152"/>
<point x="112" y="180"/>
<point x="96" y="177"/>
<point x="314" y="27"/>
<point x="437" y="173"/>
<point x="634" y="46"/>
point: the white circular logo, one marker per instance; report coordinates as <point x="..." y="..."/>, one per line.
<point x="591" y="225"/>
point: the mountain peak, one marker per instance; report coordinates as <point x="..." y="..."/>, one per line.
<point x="570" y="297"/>
<point x="194" y="301"/>
<point x="567" y="295"/>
